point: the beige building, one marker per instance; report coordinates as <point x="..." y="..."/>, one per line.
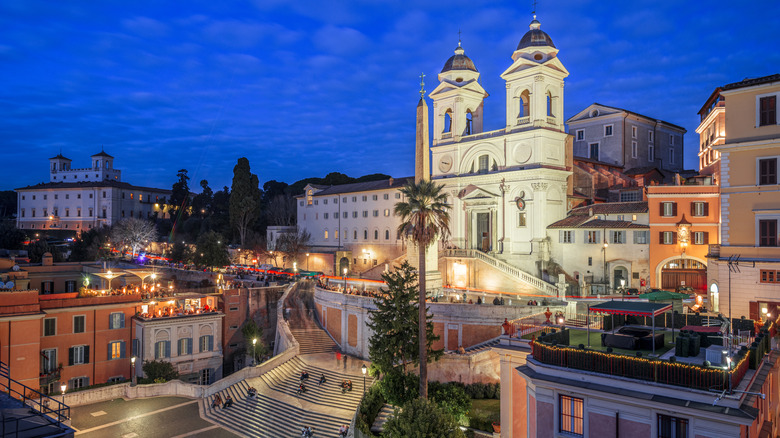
<point x="82" y="199"/>
<point x="750" y="200"/>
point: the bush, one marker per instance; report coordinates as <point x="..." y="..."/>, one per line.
<point x="369" y="408"/>
<point x="159" y="371"/>
<point x="424" y="419"/>
<point x="399" y="387"/>
<point x="450" y="397"/>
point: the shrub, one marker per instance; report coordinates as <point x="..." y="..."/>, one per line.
<point x="369" y="408"/>
<point x="399" y="387"/>
<point x="160" y="371"/>
<point x="452" y="398"/>
<point x="424" y="419"/>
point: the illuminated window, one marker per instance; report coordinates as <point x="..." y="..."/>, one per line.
<point x="571" y="415"/>
<point x="672" y="427"/>
<point x="116" y="350"/>
<point x="326" y="234"/>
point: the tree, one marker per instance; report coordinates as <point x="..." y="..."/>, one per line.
<point x="293" y="244"/>
<point x="395" y="326"/>
<point x="211" y="250"/>
<point x="180" y="193"/>
<point x="90" y="245"/>
<point x="424" y="218"/>
<point x="180" y="253"/>
<point x="251" y="331"/>
<point x="133" y="232"/>
<point x="281" y="210"/>
<point x="8" y="203"/>
<point x="420" y="418"/>
<point x="244" y="198"/>
<point x="10" y="236"/>
<point x="159" y="371"/>
<point x="37" y="248"/>
<point x="201" y="203"/>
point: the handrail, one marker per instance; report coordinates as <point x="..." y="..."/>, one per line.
<point x="27" y="397"/>
<point x="523" y="276"/>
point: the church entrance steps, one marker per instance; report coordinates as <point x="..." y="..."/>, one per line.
<point x="536" y="284"/>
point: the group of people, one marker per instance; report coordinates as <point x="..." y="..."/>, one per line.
<point x="251" y="392"/>
<point x="534" y="303"/>
<point x="307" y="432"/>
<point x="343" y="430"/>
<point x="217" y="402"/>
<point x="346" y="385"/>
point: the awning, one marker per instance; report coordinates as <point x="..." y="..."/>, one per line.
<point x="630" y="308"/>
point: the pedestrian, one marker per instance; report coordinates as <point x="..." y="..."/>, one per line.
<point x="216" y="402"/>
<point x="228" y="402"/>
<point x="322" y="380"/>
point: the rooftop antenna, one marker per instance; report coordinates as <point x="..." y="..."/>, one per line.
<point x="422" y="86"/>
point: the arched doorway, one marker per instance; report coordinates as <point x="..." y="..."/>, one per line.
<point x="684" y="272"/>
<point x="714" y="297"/>
<point x="620" y="273"/>
<point x="343" y="264"/>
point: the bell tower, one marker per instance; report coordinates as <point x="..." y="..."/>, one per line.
<point x="457" y="100"/>
<point x="534" y="83"/>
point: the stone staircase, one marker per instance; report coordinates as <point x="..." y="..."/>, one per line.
<point x="484" y="346"/>
<point x="278" y="411"/>
<point x="313" y="340"/>
<point x="381" y="418"/>
<point x="534" y="284"/>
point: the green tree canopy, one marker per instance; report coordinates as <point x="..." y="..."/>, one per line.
<point x="10" y="236"/>
<point x="211" y="250"/>
<point x="420" y="418"/>
<point x="180" y="192"/>
<point x="245" y="198"/>
<point x="160" y="370"/>
<point x="180" y="253"/>
<point x="250" y="330"/>
<point x="395" y="323"/>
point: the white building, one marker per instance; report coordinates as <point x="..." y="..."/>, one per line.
<point x="81" y="199"/>
<point x="506" y="186"/>
<point x="354" y="221"/>
<point x="602" y="244"/>
<point x="627" y="139"/>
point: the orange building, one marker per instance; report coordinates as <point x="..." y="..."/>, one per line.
<point x="684" y="221"/>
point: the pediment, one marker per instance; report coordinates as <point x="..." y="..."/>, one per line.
<point x="523" y="64"/>
<point x="473" y="192"/>
<point x="471" y="87"/>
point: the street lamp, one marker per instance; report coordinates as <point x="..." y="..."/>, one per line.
<point x="63" y="387"/>
<point x="363" y="368"/>
<point x="254" y="350"/>
<point x="307" y="261"/>
<point x="133" y="379"/>
<point x="345" y="280"/>
<point x="623" y="287"/>
<point x="606" y="280"/>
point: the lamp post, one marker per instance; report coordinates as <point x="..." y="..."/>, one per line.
<point x="63" y="387"/>
<point x="254" y="351"/>
<point x="307" y="261"/>
<point x="623" y="287"/>
<point x="363" y="368"/>
<point x="345" y="280"/>
<point x="604" y="249"/>
<point x="133" y="378"/>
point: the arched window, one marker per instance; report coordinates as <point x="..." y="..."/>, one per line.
<point x="387" y="234"/>
<point x="525" y="99"/>
<point x="484" y="162"/>
<point x="549" y="105"/>
<point x="326" y="234"/>
<point x="365" y="234"/>
<point x="448" y="121"/>
<point x="469" y="121"/>
<point x="354" y="234"/>
<point x="376" y="234"/>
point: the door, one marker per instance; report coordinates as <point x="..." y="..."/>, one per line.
<point x="483" y="232"/>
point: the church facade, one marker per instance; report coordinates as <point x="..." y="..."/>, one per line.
<point x="506" y="186"/>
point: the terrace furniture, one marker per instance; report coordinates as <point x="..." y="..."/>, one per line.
<point x="617" y="340"/>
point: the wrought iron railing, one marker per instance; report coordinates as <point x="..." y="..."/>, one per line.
<point x="41" y="406"/>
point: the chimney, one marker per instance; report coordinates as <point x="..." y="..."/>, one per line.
<point x="391" y="181"/>
<point x="590" y="212"/>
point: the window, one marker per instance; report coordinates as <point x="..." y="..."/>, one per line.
<point x="22" y="212"/>
<point x="354" y="199"/>
<point x="594" y="151"/>
<point x="650" y="152"/>
<point x="640" y="237"/>
<point x="767" y="171"/>
<point x="316" y="202"/>
<point x="344" y="214"/>
<point x="671" y="156"/>
<point x="78" y="355"/>
<point x="700" y="209"/>
<point x="184" y="346"/>
<point x="593" y="236"/>
<point x="671" y="139"/>
<point x="116" y="350"/>
<point x="667" y="237"/>
<point x="354" y="234"/>
<point x="365" y="213"/>
<point x="768" y="111"/>
<point x="116" y="320"/>
<point x="301" y="204"/>
<point x="701" y="238"/>
<point x="90" y="212"/>
<point x="78" y="212"/>
<point x="49" y="326"/>
<point x="326" y="234"/>
<point x="162" y="349"/>
<point x="672" y="427"/>
<point x="365" y="198"/>
<point x="770" y="276"/>
<point x="365" y="234"/>
<point x="387" y="212"/>
<point x="767" y="232"/>
<point x="668" y="209"/>
<point x="633" y="132"/>
<point x="521" y="219"/>
<point x="206" y="343"/>
<point x="618" y="236"/>
<point x="376" y="234"/>
<point x="48" y="360"/>
<point x="374" y="197"/>
<point x="79" y="323"/>
<point x="90" y="196"/>
<point x="45" y="197"/>
<point x="571" y="415"/>
<point x="104" y="193"/>
<point x="336" y="234"/>
<point x="387" y="234"/>
<point x="631" y="196"/>
<point x="397" y="196"/>
<point x="325" y="215"/>
<point x="70" y="286"/>
<point x="325" y="202"/>
<point x="484" y="162"/>
<point x="566" y="236"/>
<point x="607" y="130"/>
<point x="386" y="196"/>
<point x="580" y="134"/>
<point x="590" y="261"/>
<point x="354" y="214"/>
<point x="376" y="213"/>
<point x="634" y="149"/>
<point x="78" y="382"/>
<point x="309" y="193"/>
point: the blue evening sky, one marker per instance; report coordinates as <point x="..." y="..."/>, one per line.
<point x="303" y="88"/>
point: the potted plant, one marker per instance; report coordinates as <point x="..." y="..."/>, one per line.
<point x="497" y="427"/>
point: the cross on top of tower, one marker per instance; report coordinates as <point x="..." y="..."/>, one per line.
<point x="422" y="85"/>
<point x="534" y="11"/>
<point x="458" y="37"/>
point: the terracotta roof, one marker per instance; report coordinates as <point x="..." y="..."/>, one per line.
<point x="363" y="186"/>
<point x="87" y="184"/>
<point x="612" y="208"/>
<point x="749" y="82"/>
<point x="642" y="170"/>
<point x="588" y="222"/>
<point x="636" y="114"/>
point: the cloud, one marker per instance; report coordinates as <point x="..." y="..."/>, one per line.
<point x="145" y="27"/>
<point x="341" y="40"/>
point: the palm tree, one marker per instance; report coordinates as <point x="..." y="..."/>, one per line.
<point x="424" y="217"/>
